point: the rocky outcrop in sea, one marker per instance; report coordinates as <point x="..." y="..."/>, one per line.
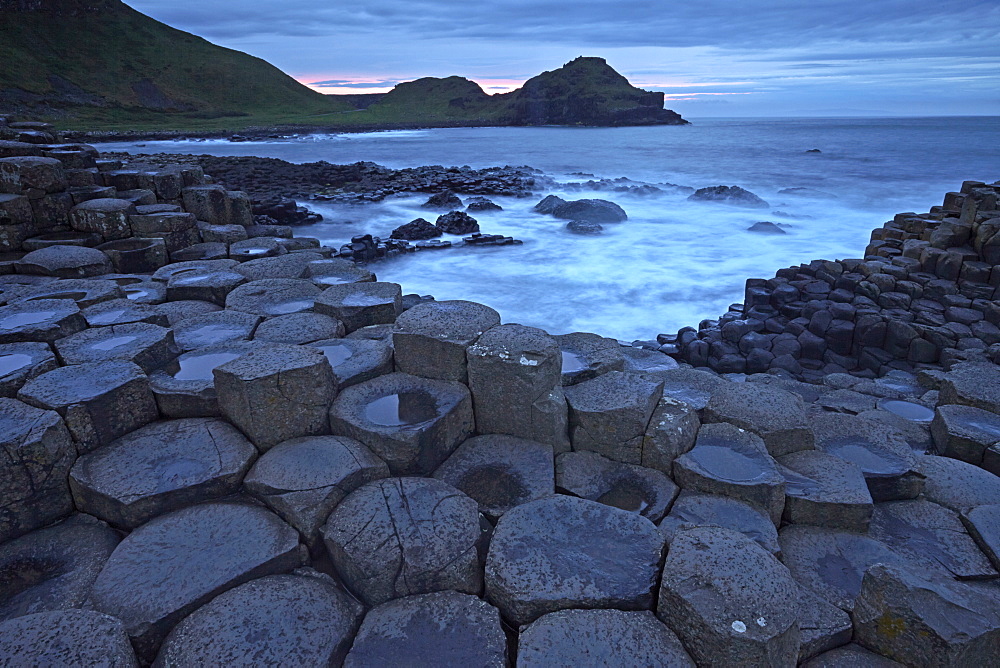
<point x="225" y="445"/>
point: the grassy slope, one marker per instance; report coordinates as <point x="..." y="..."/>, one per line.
<point x="108" y="52"/>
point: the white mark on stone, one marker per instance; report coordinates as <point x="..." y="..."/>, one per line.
<point x="739" y="626"/>
<point x="527" y="362"/>
<point x="761" y="621"/>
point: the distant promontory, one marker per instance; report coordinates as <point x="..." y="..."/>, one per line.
<point x="101" y="65"/>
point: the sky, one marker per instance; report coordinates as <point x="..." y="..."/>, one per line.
<point x="710" y="57"/>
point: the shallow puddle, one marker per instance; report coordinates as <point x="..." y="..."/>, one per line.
<point x="405" y="408"/>
<point x="285" y="308"/>
<point x="113" y="342"/>
<point x="727" y="464"/>
<point x="13" y="362"/>
<point x="336" y="353"/>
<point x="200" y="366"/>
<point x="908" y="410"/>
<point x="571" y="362"/>
<point x="22" y="319"/>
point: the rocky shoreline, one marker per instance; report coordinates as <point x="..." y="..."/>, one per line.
<point x="226" y="444"/>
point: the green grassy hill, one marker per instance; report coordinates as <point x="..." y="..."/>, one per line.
<point x="100" y="63"/>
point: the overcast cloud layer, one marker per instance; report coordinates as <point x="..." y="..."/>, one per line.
<point x="711" y="57"/>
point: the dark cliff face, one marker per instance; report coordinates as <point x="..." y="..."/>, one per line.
<point x="585" y="91"/>
<point x="61" y="7"/>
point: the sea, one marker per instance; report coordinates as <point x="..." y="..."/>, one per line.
<point x="674" y="262"/>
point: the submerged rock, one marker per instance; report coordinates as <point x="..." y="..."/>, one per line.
<point x="416" y="230"/>
<point x="733" y="195"/>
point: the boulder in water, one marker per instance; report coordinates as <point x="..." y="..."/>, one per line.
<point x="766" y="227"/>
<point x="549" y="204"/>
<point x="457" y="222"/>
<point x="590" y="210"/>
<point x="416" y="230"/>
<point x="733" y="195"/>
<point x="445" y="199"/>
<point x="584" y="227"/>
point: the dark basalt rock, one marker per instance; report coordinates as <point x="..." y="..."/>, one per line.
<point x="590" y="210"/>
<point x="299" y="328"/>
<point x="431" y="339"/>
<point x="500" y="472"/>
<point x="565" y="552"/>
<point x="416" y="230"/>
<point x="325" y="273"/>
<point x="124" y="311"/>
<point x="777" y="416"/>
<point x="457" y="222"/>
<point x="214" y="328"/>
<point x="766" y="227"/>
<point x="303" y="479"/>
<point x="289" y="265"/>
<point x="65" y="262"/>
<point x="273" y="296"/>
<point x="285" y="211"/>
<point x="99" y="401"/>
<point x="729" y="600"/>
<point x="358" y="305"/>
<point x="443" y="200"/>
<point x="482" y="204"/>
<point x="40" y="320"/>
<point x="825" y="490"/>
<point x="586" y="356"/>
<point x="733" y="195"/>
<point x="584" y="227"/>
<point x="548" y="204"/>
<point x="401" y="536"/>
<point x="161" y="467"/>
<point x="410" y="422"/>
<point x="53" y="568"/>
<point x="599" y="638"/>
<point x="149" y="346"/>
<point x="693" y="509"/>
<point x="355" y="360"/>
<point x="20" y="362"/>
<point x="84" y="291"/>
<point x="169" y="567"/>
<point x="66" y="638"/>
<point x="440" y="629"/>
<point x="626" y="486"/>
<point x="303" y="619"/>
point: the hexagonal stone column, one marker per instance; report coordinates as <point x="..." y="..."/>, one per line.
<point x="775" y="415"/>
<point x="825" y="490"/>
<point x="921" y="609"/>
<point x="693" y="509"/>
<point x="972" y="384"/>
<point x="515" y="375"/>
<point x="965" y="432"/>
<point x="599" y="638"/>
<point x="410" y="422"/>
<point x="303" y="479"/>
<point x="269" y="297"/>
<point x="359" y="305"/>
<point x="99" y="401"/>
<point x="500" y="472"/>
<point x="149" y="346"/>
<point x="161" y="467"/>
<point x="20" y="362"/>
<point x="32" y="173"/>
<point x="586" y="356"/>
<point x="626" y="486"/>
<point x="444" y="628"/>
<point x="37" y="454"/>
<point x="65" y="262"/>
<point x="276" y="392"/>
<point x="169" y="567"/>
<point x="40" y="320"/>
<point x="732" y="462"/>
<point x="66" y="638"/>
<point x="430" y="339"/>
<point x="609" y="414"/>
<point x="729" y="600"/>
<point x="54" y="567"/>
<point x="279" y="620"/>
<point x="105" y="216"/>
<point x="564" y="552"/>
<point x="403" y="536"/>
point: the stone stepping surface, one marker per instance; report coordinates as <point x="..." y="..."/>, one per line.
<point x="289" y="462"/>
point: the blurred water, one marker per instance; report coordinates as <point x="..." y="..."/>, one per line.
<point x="673" y="262"/>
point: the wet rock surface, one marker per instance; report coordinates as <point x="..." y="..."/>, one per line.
<point x="561" y="553"/>
<point x="66" y="637"/>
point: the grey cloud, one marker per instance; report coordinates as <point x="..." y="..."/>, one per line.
<point x="344" y="83"/>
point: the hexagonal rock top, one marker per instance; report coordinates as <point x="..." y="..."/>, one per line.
<point x="279" y="620"/>
<point x="972" y="384"/>
<point x="40" y="320"/>
<point x="273" y="296"/>
<point x="358" y="305"/>
<point x="54" y="567"/>
<point x="440" y="629"/>
<point x="729" y="600"/>
<point x="66" y="638"/>
<point x="149" y="346"/>
<point x="775" y="415"/>
<point x="37" y="454"/>
<point x="65" y="262"/>
<point x="500" y="472"/>
<point x="599" y="638"/>
<point x="430" y="339"/>
<point x="304" y="478"/>
<point x="167" y="568"/>
<point x="401" y="536"/>
<point x="276" y="392"/>
<point x="161" y="467"/>
<point x="99" y="401"/>
<point x="565" y="552"/>
<point x="412" y="423"/>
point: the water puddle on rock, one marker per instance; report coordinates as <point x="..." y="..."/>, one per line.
<point x="908" y="410"/>
<point x="405" y="408"/>
<point x="106" y="318"/>
<point x="113" y="342"/>
<point x="75" y="296"/>
<point x="13" y="362"/>
<point x="22" y="319"/>
<point x="209" y="334"/>
<point x="797" y="484"/>
<point x="200" y="366"/>
<point x="571" y="362"/>
<point x="868" y="456"/>
<point x="136" y="293"/>
<point x="336" y="353"/>
<point x="285" y="308"/>
<point x="727" y="464"/>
